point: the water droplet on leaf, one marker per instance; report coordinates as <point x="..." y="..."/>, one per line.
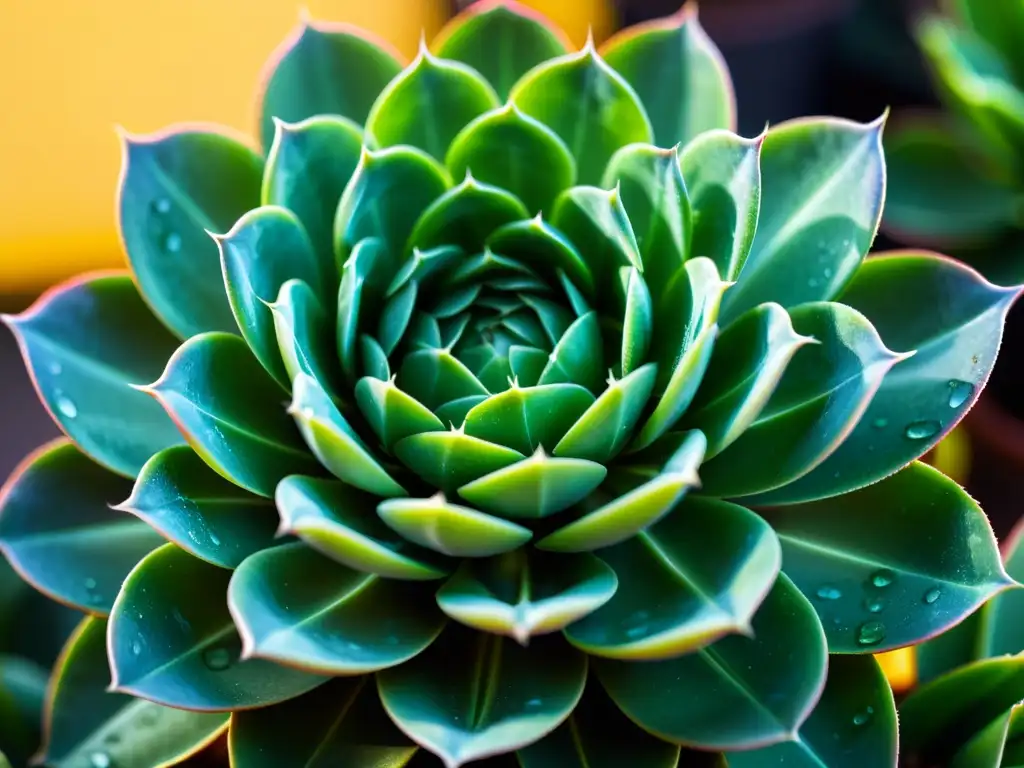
<point x="874" y="604"/>
<point x="882" y="578"/>
<point x="863" y="718"/>
<point x="99" y="760"/>
<point x="172" y="242"/>
<point x="828" y="593"/>
<point x="55" y="368"/>
<point x="922" y="430"/>
<point x="217" y="659"/>
<point x="870" y="633"/>
<point x="880" y="423"/>
<point x="162" y="205"/>
<point x="959" y="392"/>
<point x="136" y="647"/>
<point x="932" y="595"/>
<point x="214" y="538"/>
<point x="66" y="407"/>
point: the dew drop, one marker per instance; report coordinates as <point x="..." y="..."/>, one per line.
<point x="812" y="282"/>
<point x="54" y="368"/>
<point x="870" y="633"/>
<point x="172" y="242"/>
<point x="959" y="392"/>
<point x="534" y="703"/>
<point x="932" y="595"/>
<point x="214" y="538"/>
<point x="100" y="760"/>
<point x="922" y="430"/>
<point x="828" y="272"/>
<point x="880" y="423"/>
<point x="882" y="578"/>
<point x="90" y="583"/>
<point x="863" y="718"/>
<point x="66" y="407"/>
<point x="136" y="647"/>
<point x="162" y="205"/>
<point x="638" y="631"/>
<point x="217" y="659"/>
<point x="828" y="593"/>
<point x="874" y="605"/>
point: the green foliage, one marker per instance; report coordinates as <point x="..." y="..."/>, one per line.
<point x="531" y="416"/>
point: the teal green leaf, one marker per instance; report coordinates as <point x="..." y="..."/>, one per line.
<point x="852" y="726"/>
<point x="821" y="396"/>
<point x="653" y="193"/>
<point x="342" y="522"/>
<point x="385" y="197"/>
<point x="603" y="524"/>
<point x="375" y="361"/>
<point x="683" y="350"/>
<point x="263" y="250"/>
<point x="940" y="717"/>
<point x="597" y="223"/>
<point x="449" y="460"/>
<point x="472" y="695"/>
<point x="455" y="411"/>
<point x="576" y="358"/>
<point x="303" y="333"/>
<point x="296" y="607"/>
<point x="603" y="430"/>
<point x="747" y="363"/>
<point x="872" y="586"/>
<point x="176" y="186"/>
<point x="598" y="735"/>
<point x="940" y="192"/>
<point x="86" y="344"/>
<point x="188" y="503"/>
<point x="1004" y="633"/>
<point x="505" y="148"/>
<point x="544" y="249"/>
<point x="451" y="529"/>
<point x="502" y="41"/>
<point x="739" y="693"/>
<point x="997" y="22"/>
<point x="527" y="418"/>
<point x="964" y="643"/>
<point x="341" y="724"/>
<point x="987" y="748"/>
<point x="679" y="75"/>
<point x="335" y="443"/>
<point x="464" y="216"/>
<point x="232" y="413"/>
<point x="169" y="648"/>
<point x="822" y="189"/>
<point x="436" y="376"/>
<point x="391" y="413"/>
<point x="58" y="531"/>
<point x="423" y="267"/>
<point x="90" y="726"/>
<point x="692" y="578"/>
<point x="364" y="278"/>
<point x="312" y="75"/>
<point x="722" y="172"/>
<point x="638" y="321"/>
<point x="535" y="487"/>
<point x="588" y="104"/>
<point x="22" y="692"/>
<point x="525" y="594"/>
<point x="308" y="166"/>
<point x="428" y="104"/>
<point x="395" y="317"/>
<point x="952" y="319"/>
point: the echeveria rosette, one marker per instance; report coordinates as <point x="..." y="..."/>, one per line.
<point x="540" y="415"/>
<point x="957" y="178"/>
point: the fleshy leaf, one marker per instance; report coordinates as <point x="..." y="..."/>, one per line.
<point x="296" y="607"/>
<point x="505" y="148"/>
<point x="264" y="249"/>
<point x="1003" y="629"/>
<point x="542" y="247"/>
<point x="722" y="172"/>
<point x="501" y="40"/>
<point x="339" y="725"/>
<point x="822" y="394"/>
<point x="428" y="104"/>
<point x="436" y="376"/>
<point x="747" y="363"/>
<point x="449" y="460"/>
<point x="871" y="582"/>
<point x="58" y="531"/>
<point x="176" y="186"/>
<point x="588" y="104"/>
<point x="997" y="22"/>
<point x="451" y="529"/>
<point x="393" y="414"/>
<point x="528" y="418"/>
<point x="726" y="696"/>
<point x="308" y="167"/>
<point x="335" y="443"/>
<point x="605" y="524"/>
<point x="853" y="725"/>
<point x="576" y="358"/>
<point x="90" y="726"/>
<point x="302" y="330"/>
<point x="471" y="695"/>
<point x="988" y="747"/>
<point x="168" y="647"/>
<point x="952" y="319"/>
<point x="188" y="503"/>
<point x="23" y="685"/>
<point x="679" y="75"/>
<point x="526" y="594"/>
<point x="364" y="278"/>
<point x="342" y="523"/>
<point x="598" y="735"/>
<point x="312" y="75"/>
<point x="231" y="413"/>
<point x="822" y="189"/>
<point x="637" y="323"/>
<point x="698" y="575"/>
<point x="86" y="343"/>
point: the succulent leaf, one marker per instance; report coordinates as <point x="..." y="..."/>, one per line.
<point x="302" y="331"/>
<point x="465" y="216"/>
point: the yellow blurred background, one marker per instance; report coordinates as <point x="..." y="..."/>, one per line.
<point x="73" y="69"/>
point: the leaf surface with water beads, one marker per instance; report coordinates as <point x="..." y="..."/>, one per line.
<point x="58" y="530"/>
<point x="195" y="663"/>
<point x="471" y="695"/>
<point x="302" y="609"/>
<point x="728" y="695"/>
<point x="87" y="725"/>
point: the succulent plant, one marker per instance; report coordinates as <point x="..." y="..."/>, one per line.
<point x="957" y="179"/>
<point x="478" y="417"/>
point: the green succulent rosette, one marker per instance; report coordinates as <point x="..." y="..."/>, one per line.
<point x="507" y="407"/>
